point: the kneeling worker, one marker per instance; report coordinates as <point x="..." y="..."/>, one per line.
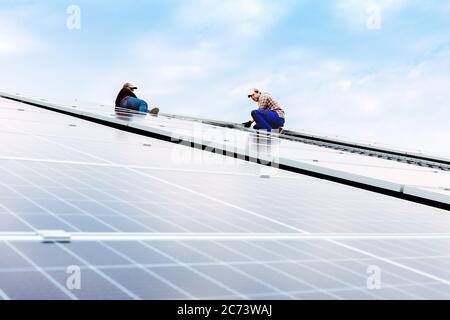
<point x="127" y="99"/>
<point x="269" y="115"/>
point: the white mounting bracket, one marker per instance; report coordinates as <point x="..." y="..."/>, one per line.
<point x="51" y="236"/>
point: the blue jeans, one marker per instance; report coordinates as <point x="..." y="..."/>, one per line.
<point x="134" y="104"/>
<point x="266" y="119"/>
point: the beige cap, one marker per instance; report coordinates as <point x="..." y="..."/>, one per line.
<point x="129" y="85"/>
<point x="252" y="92"/>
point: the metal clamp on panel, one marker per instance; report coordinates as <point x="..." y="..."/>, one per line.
<point x="51" y="236"/>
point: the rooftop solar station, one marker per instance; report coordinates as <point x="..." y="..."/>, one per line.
<point x="176" y="207"/>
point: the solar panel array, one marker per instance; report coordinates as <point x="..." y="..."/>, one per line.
<point x="62" y="173"/>
<point x="391" y="176"/>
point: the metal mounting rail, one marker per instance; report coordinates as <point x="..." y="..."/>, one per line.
<point x="417" y="159"/>
<point x="61" y="236"/>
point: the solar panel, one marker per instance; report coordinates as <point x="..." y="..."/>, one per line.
<point x="142" y="218"/>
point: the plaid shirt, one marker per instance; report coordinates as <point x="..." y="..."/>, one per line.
<point x="267" y="103"/>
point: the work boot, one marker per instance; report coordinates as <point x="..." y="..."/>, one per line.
<point x="154" y="112"/>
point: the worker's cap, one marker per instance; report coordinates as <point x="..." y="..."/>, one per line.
<point x="252" y="92"/>
<point x="129" y="85"/>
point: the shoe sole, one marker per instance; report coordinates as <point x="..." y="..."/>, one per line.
<point x="154" y="111"/>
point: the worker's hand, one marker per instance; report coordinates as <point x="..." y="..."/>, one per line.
<point x="247" y="124"/>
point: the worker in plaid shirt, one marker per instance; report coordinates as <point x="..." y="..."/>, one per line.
<point x="269" y="115"/>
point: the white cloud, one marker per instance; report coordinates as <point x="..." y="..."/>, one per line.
<point x="387" y="5"/>
<point x="14" y="38"/>
<point x="245" y="17"/>
<point x="357" y="12"/>
<point x="173" y="62"/>
<point x="168" y="73"/>
<point x="15" y="42"/>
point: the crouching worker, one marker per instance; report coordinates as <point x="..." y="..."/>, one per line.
<point x="269" y="115"/>
<point x="126" y="99"/>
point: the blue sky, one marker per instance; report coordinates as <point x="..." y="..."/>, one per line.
<point x="331" y="73"/>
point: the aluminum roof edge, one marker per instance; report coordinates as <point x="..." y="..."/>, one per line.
<point x="342" y="175"/>
<point x="396" y="190"/>
<point x="376" y="185"/>
<point x="439" y="197"/>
